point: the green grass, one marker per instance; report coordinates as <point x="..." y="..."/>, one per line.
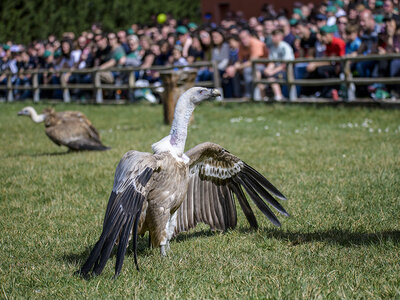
<point x="338" y="166"/>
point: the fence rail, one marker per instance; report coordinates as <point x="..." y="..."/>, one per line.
<point x="345" y="77"/>
<point x="97" y="86"/>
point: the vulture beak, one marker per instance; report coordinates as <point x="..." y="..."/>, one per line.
<point x="215" y="93"/>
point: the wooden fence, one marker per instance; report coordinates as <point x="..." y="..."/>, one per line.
<point x="345" y="78"/>
<point x="97" y="86"/>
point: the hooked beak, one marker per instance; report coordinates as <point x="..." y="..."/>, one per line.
<point x="215" y="93"/>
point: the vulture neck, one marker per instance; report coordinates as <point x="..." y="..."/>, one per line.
<point x="175" y="141"/>
<point x="37" y="118"/>
<point x="183" y="111"/>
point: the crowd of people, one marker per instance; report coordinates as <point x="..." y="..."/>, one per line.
<point x="332" y="28"/>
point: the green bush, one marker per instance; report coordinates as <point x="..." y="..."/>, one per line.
<point x="24" y="21"/>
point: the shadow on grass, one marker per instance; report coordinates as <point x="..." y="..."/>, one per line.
<point x="38" y="154"/>
<point x="333" y="236"/>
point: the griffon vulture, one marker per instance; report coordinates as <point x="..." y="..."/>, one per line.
<point x="69" y="128"/>
<point x="170" y="191"/>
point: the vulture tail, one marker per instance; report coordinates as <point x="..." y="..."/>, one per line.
<point x="123" y="213"/>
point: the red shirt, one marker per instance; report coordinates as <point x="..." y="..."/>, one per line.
<point x="336" y="48"/>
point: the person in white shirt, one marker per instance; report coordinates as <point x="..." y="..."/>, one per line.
<point x="275" y="70"/>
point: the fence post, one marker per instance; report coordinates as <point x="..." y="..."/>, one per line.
<point x="10" y="94"/>
<point x="216" y="79"/>
<point x="254" y="77"/>
<point x="290" y="78"/>
<point x="350" y="86"/>
<point x="131" y="84"/>
<point x="35" y="87"/>
<point x="97" y="86"/>
<point x="64" y="85"/>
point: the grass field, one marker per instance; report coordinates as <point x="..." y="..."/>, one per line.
<point x="339" y="167"/>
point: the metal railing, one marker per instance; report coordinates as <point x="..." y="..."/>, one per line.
<point x="96" y="85"/>
<point x="345" y="77"/>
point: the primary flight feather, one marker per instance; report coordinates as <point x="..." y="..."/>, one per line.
<point x="170" y="191"/>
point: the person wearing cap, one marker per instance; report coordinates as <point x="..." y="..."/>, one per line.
<point x="320" y="20"/>
<point x="334" y="47"/>
<point x="184" y="39"/>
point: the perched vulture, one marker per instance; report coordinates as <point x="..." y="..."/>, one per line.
<point x="170" y="191"/>
<point x="69" y="128"/>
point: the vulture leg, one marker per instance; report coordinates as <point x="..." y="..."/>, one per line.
<point x="169" y="229"/>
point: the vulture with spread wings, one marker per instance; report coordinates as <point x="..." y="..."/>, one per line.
<point x="170" y="191"/>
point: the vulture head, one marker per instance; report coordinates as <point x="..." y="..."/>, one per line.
<point x="199" y="94"/>
<point x="27" y="111"/>
<point x="31" y="112"/>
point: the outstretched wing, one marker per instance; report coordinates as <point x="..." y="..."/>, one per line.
<point x="131" y="185"/>
<point x="215" y="175"/>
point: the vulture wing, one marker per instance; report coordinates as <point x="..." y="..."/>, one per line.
<point x="131" y="185"/>
<point x="215" y="175"/>
<point x="74" y="130"/>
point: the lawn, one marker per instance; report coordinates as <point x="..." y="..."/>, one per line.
<point x="339" y="167"/>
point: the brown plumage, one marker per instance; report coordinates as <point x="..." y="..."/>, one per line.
<point x="69" y="128"/>
<point x="169" y="191"/>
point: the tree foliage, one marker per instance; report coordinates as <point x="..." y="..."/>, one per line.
<point x="23" y="21"/>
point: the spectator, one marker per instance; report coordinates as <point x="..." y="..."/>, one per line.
<point x="250" y="48"/>
<point x="282" y="51"/>
<point x="307" y="39"/>
<point x="369" y="43"/>
<point x="184" y="39"/>
<point x="177" y="58"/>
<point x="196" y="52"/>
<point x="206" y="43"/>
<point x="118" y="56"/>
<point x="133" y="58"/>
<point x="103" y="59"/>
<point x="388" y="9"/>
<point x="268" y="27"/>
<point x="122" y="39"/>
<point x="341" y="22"/>
<point x="289" y="36"/>
<point x="334" y="47"/>
<point x="230" y="78"/>
<point x="353" y="42"/>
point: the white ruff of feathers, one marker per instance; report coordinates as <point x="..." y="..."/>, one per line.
<point x="175" y="141"/>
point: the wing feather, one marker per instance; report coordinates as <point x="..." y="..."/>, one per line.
<point x="123" y="211"/>
<point x="215" y="177"/>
